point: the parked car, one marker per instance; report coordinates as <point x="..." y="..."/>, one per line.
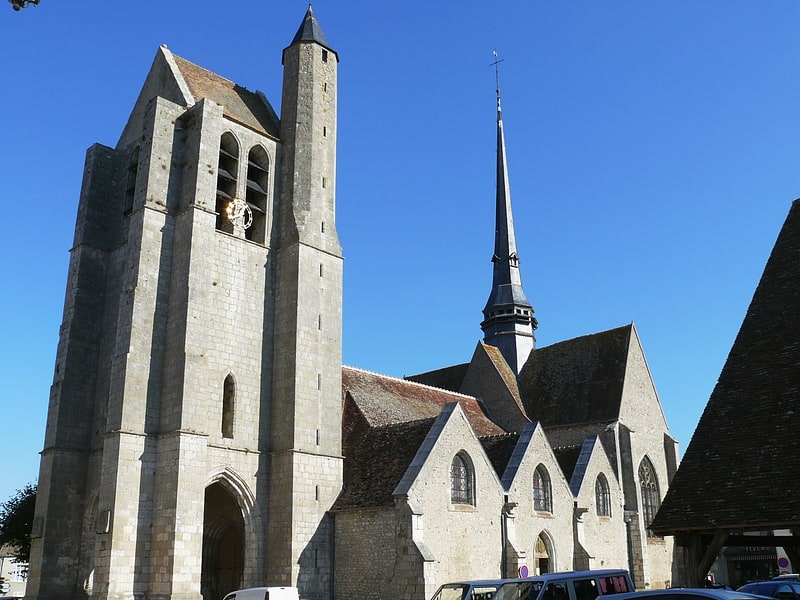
<point x="785" y="589"/>
<point x="481" y="589"/>
<point x="264" y="593"/>
<point x="570" y="585"/>
<point x="689" y="594"/>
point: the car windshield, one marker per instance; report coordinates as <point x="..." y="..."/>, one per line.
<point x="483" y="592"/>
<point x="450" y="591"/>
<point x="518" y="590"/>
<point x="459" y="591"/>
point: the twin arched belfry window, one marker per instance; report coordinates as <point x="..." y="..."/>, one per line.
<point x="242" y="209"/>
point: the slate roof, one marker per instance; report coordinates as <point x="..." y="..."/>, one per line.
<point x="448" y="378"/>
<point x="239" y="104"/>
<point x="310" y="31"/>
<point x="567" y="457"/>
<point x="499" y="449"/>
<point x="578" y="380"/>
<point x="375" y="461"/>
<point x="740" y="470"/>
<point x="384" y="400"/>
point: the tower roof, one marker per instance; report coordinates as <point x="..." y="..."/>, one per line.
<point x="508" y="316"/>
<point x="310" y="31"/>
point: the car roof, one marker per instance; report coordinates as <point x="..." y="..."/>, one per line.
<point x="474" y="582"/>
<point x="569" y="575"/>
<point x="710" y="593"/>
<point x="544" y="577"/>
<point x="772" y="583"/>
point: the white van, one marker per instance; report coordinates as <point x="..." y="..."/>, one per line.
<point x="264" y="593"/>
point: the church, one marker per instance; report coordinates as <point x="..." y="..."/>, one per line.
<point x="203" y="434"/>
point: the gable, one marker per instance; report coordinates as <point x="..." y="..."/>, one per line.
<point x="183" y="83"/>
<point x="427" y="481"/>
<point x="532" y="448"/>
<point x="640" y="406"/>
<point x="591" y="460"/>
<point x="490" y="378"/>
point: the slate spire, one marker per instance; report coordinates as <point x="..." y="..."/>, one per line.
<point x="310" y="31"/>
<point x="508" y="321"/>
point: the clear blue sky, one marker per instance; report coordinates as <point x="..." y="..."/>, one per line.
<point x="652" y="149"/>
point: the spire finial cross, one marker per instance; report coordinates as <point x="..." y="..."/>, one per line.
<point x="496" y="64"/>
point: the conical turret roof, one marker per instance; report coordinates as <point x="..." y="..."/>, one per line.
<point x="310" y="31"/>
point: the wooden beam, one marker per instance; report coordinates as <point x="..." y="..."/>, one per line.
<point x="787" y="541"/>
<point x="710" y="555"/>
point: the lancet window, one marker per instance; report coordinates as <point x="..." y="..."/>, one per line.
<point x="542" y="491"/>
<point x="602" y="496"/>
<point x="651" y="495"/>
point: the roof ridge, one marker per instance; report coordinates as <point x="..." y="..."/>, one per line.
<point x="630" y="325"/>
<point x="411" y="382"/>
<point x="207" y="70"/>
<point x="567" y="447"/>
<point x="507" y="434"/>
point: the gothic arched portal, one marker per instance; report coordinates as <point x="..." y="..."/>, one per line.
<point x="223" y="543"/>
<point x="543" y="554"/>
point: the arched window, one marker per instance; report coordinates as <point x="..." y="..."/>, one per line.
<point x="462" y="480"/>
<point x="257" y="194"/>
<point x="651" y="497"/>
<point x="542" y="492"/>
<point x="602" y="496"/>
<point x="227" y="172"/>
<point x="228" y="402"/>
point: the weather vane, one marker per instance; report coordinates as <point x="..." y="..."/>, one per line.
<point x="496" y="64"/>
<point x="18" y="4"/>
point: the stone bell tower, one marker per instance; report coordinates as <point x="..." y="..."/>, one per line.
<point x="305" y="450"/>
<point x="193" y="441"/>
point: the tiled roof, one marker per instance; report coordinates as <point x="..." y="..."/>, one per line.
<point x="384" y="400"/>
<point x="500" y="364"/>
<point x="248" y="108"/>
<point x="740" y="469"/>
<point x="375" y="460"/>
<point x="578" y="380"/>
